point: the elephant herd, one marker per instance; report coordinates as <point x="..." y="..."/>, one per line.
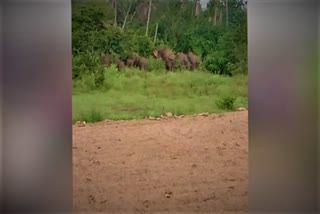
<point x="189" y="60"/>
<point x="134" y="60"/>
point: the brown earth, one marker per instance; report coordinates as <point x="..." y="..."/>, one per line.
<point x="187" y="165"/>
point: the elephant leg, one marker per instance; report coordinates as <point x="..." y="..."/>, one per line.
<point x="192" y="66"/>
<point x="167" y="66"/>
<point x="172" y="65"/>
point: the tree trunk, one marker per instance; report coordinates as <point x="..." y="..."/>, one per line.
<point x="227" y="13"/>
<point x="155" y="34"/>
<point x="197" y="8"/>
<point x="220" y="17"/>
<point x="149" y="13"/>
<point x="125" y="19"/>
<point x="215" y="15"/>
<point x="115" y="12"/>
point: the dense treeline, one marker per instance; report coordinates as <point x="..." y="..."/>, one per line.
<point x="217" y="34"/>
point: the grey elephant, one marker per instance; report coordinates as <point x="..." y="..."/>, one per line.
<point x="140" y="62"/>
<point x="167" y="55"/>
<point x="183" y="60"/>
<point x="120" y="65"/>
<point x="106" y="59"/>
<point x="119" y="62"/>
<point x="129" y="62"/>
<point x="194" y="60"/>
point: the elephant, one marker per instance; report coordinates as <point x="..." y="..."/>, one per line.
<point x="166" y="55"/>
<point x="141" y="62"/>
<point x="138" y="61"/>
<point x="120" y="65"/>
<point x="194" y="60"/>
<point x="129" y="62"/>
<point x="106" y="59"/>
<point x="183" y="60"/>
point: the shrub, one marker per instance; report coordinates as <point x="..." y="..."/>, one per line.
<point x="226" y="103"/>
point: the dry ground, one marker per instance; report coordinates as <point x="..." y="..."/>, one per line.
<point x="195" y="164"/>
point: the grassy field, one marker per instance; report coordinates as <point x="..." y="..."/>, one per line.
<point x="134" y="94"/>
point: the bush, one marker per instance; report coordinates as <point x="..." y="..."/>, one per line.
<point x="90" y="116"/>
<point x="216" y="63"/>
<point x="142" y="45"/>
<point x="226" y="103"/>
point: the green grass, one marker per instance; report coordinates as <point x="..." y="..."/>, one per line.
<point x="133" y="94"/>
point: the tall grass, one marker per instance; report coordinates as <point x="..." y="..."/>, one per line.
<point x="134" y="94"/>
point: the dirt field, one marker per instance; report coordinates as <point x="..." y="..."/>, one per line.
<point x="187" y="165"/>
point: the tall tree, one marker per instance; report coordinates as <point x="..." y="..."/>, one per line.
<point x="115" y="12"/>
<point x="148" y="21"/>
<point x="197" y="8"/>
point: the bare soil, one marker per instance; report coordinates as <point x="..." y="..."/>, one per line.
<point x="194" y="164"/>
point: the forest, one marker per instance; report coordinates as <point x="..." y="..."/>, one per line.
<point x="215" y="31"/>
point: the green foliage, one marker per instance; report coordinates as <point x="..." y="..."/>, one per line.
<point x="141" y="45"/>
<point x="226" y="103"/>
<point x="89" y="116"/>
<point x="216" y="62"/>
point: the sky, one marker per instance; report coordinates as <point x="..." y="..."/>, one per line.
<point x="203" y="3"/>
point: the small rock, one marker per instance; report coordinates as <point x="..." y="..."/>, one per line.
<point x="204" y="114"/>
<point x="152" y="118"/>
<point x="179" y="116"/>
<point x="168" y="194"/>
<point x="146" y="203"/>
<point x="169" y="114"/>
<point x="80" y="124"/>
<point x="241" y="109"/>
<point x="158" y="118"/>
<point x="96" y="162"/>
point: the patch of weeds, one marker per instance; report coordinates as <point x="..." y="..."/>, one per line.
<point x="226" y="103"/>
<point x="91" y="116"/>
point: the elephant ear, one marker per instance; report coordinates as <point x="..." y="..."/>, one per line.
<point x="156" y="53"/>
